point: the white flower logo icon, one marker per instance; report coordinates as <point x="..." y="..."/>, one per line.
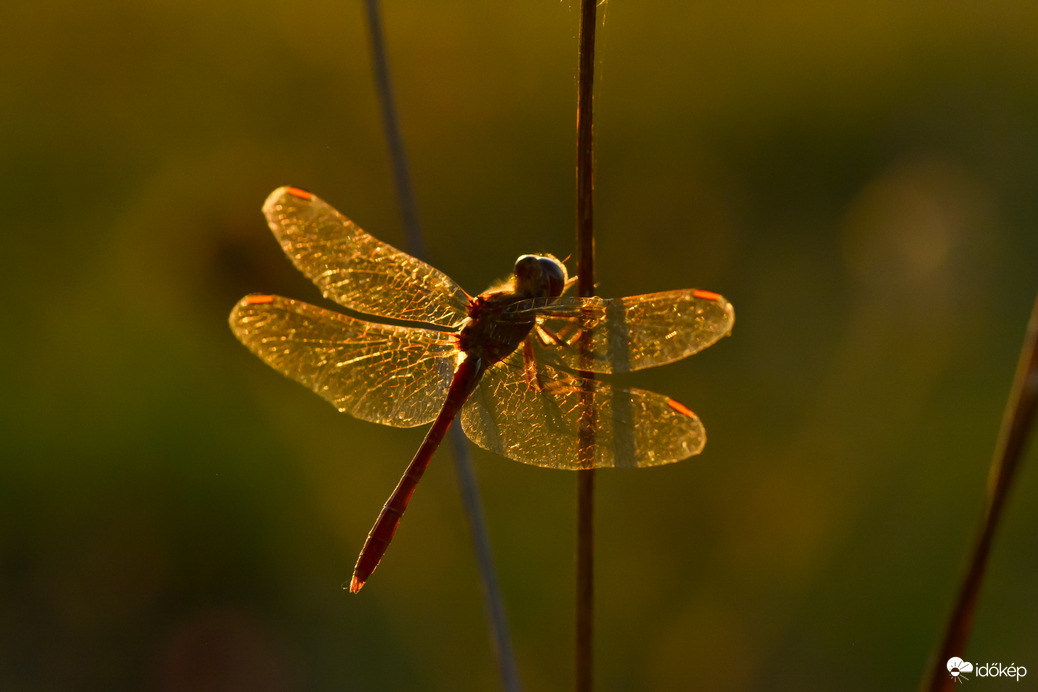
<point x="956" y="667"/>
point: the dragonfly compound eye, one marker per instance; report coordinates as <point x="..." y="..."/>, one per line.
<point x="555" y="273"/>
<point x="539" y="277"/>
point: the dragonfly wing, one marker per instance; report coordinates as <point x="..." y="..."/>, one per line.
<point x="355" y="269"/>
<point x="632" y="333"/>
<point x="376" y="372"/>
<point x="535" y="418"/>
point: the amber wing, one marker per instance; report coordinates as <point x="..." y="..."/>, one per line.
<point x="376" y="372"/>
<point x="534" y="416"/>
<point x="632" y="333"/>
<point x="355" y="269"/>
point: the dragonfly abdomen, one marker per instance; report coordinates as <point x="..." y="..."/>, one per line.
<point x="465" y="380"/>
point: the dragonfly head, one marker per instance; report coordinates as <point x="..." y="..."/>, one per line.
<point x="539" y="276"/>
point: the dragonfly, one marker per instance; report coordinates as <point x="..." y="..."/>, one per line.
<point x="518" y="364"/>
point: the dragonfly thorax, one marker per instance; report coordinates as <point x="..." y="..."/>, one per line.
<point x="494" y="328"/>
<point x="539" y="276"/>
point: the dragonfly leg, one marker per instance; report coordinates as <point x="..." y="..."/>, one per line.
<point x="530" y="369"/>
<point x="549" y="338"/>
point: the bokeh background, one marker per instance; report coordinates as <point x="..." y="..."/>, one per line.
<point x="860" y="181"/>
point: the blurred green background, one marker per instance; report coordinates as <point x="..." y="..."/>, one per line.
<point x="858" y="179"/>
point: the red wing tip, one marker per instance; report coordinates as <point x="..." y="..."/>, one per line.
<point x="356" y="584"/>
<point x="258" y="299"/>
<point x="707" y="295"/>
<point x="681" y="408"/>
<point x="299" y="192"/>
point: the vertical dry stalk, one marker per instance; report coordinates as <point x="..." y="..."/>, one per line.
<point x="1016" y="424"/>
<point x="585" y="287"/>
<point x="462" y="463"/>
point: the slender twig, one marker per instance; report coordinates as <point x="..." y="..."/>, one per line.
<point x="585" y="287"/>
<point x="405" y="195"/>
<point x="1016" y="424"/>
<point x="488" y="575"/>
<point x="462" y="463"/>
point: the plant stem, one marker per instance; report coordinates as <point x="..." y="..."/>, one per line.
<point x="1016" y="425"/>
<point x="462" y="463"/>
<point x="585" y="287"/>
<point x="394" y="140"/>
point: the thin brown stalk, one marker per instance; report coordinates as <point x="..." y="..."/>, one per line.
<point x="585" y="287"/>
<point x="462" y="463"/>
<point x="1016" y="425"/>
<point x="394" y="140"/>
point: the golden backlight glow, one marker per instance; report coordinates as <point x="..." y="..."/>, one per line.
<point x="495" y="361"/>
